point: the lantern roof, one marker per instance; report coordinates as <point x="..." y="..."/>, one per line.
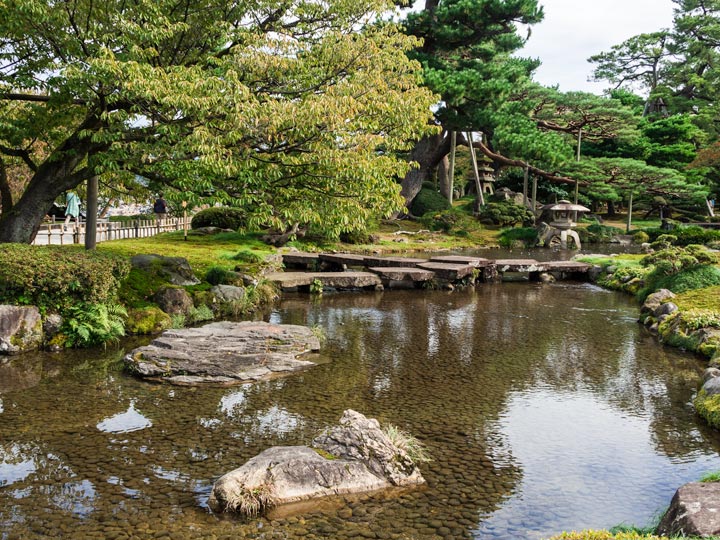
<point x="565" y="206"/>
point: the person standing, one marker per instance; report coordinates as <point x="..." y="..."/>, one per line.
<point x="160" y="208"/>
<point x="72" y="208"/>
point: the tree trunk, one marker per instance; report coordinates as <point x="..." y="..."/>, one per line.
<point x="444" y="178"/>
<point x="611" y="209"/>
<point x="6" y="201"/>
<point x="58" y="173"/>
<point x="428" y="153"/>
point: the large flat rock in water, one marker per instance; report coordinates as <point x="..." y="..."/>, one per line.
<point x="224" y="352"/>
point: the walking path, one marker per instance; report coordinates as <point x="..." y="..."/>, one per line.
<point x="374" y="272"/>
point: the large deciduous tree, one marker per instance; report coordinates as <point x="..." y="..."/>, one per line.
<point x="291" y="110"/>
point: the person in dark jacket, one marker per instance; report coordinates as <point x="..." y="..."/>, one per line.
<point x="160" y="208"/>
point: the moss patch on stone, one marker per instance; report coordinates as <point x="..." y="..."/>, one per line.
<point x="148" y="320"/>
<point x="708" y="407"/>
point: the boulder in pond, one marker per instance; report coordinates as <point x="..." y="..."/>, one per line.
<point x="224" y="352"/>
<point x="20" y="329"/>
<point x="354" y="457"/>
<point x="694" y="511"/>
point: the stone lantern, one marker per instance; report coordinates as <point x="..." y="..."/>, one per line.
<point x="560" y="229"/>
<point x="487" y="178"/>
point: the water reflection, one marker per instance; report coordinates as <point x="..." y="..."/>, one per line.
<point x="536" y="401"/>
<point x="130" y="420"/>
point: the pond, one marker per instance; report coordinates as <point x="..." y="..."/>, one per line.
<point x="545" y="408"/>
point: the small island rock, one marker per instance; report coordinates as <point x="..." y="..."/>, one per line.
<point x="355" y="457"/>
<point x="224" y="352"/>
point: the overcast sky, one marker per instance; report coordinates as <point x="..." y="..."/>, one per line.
<point x="574" y="30"/>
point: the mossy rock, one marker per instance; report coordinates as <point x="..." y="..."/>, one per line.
<point x="708" y="407"/>
<point x="148" y="320"/>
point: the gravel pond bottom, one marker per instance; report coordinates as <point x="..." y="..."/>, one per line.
<point x="545" y="408"/>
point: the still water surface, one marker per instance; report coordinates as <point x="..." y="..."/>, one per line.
<point x="546" y="408"/>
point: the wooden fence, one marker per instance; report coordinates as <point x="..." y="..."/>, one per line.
<point x="56" y="234"/>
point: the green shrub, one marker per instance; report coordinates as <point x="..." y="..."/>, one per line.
<point x="86" y="325"/>
<point x="217" y="275"/>
<point x="510" y="237"/>
<point x="54" y="278"/>
<point x="428" y="200"/>
<point x="222" y="217"/>
<point x="452" y="221"/>
<point x="640" y="237"/>
<point x="358" y="237"/>
<point x="505" y="213"/>
<point x="598" y="233"/>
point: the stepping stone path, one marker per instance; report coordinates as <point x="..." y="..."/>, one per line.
<point x="397" y="272"/>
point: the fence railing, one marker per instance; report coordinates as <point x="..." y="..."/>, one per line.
<point x="56" y="234"/>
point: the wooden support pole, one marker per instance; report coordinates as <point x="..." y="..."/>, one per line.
<point x="534" y="197"/>
<point x="630" y="210"/>
<point x="92" y="213"/>
<point x="525" y="187"/>
<point x="473" y="158"/>
<point x="451" y="172"/>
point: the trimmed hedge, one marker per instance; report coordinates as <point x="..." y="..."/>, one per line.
<point x="428" y="200"/>
<point x="54" y="278"/>
<point x="221" y="216"/>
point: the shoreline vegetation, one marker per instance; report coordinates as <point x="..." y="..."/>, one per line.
<point x="102" y="295"/>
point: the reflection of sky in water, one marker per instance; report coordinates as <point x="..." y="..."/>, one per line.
<point x="15" y="464"/>
<point x="130" y="420"/>
<point x="581" y="457"/>
<point x="2" y="409"/>
<point x="232" y="401"/>
<point x="75" y="497"/>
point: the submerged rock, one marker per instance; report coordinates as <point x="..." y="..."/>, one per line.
<point x="694" y="511"/>
<point x="355" y="457"/>
<point x="224" y="352"/>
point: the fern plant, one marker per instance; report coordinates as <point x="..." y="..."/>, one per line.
<point x="88" y="324"/>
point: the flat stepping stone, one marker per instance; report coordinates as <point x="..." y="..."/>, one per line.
<point x="394" y="261"/>
<point x="520" y="265"/>
<point x="336" y="280"/>
<point x="347" y="259"/>
<point x="300" y="258"/>
<point x="568" y="266"/>
<point x="449" y="271"/>
<point x="390" y="273"/>
<point x="223" y="352"/>
<point x="475" y="262"/>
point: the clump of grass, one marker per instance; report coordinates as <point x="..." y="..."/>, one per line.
<point x="325" y="454"/>
<point x="319" y="332"/>
<point x="606" y="535"/>
<point x="710" y="477"/>
<point x="252" y="501"/>
<point x="415" y="450"/>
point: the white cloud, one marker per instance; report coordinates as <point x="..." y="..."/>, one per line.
<point x="574" y="30"/>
